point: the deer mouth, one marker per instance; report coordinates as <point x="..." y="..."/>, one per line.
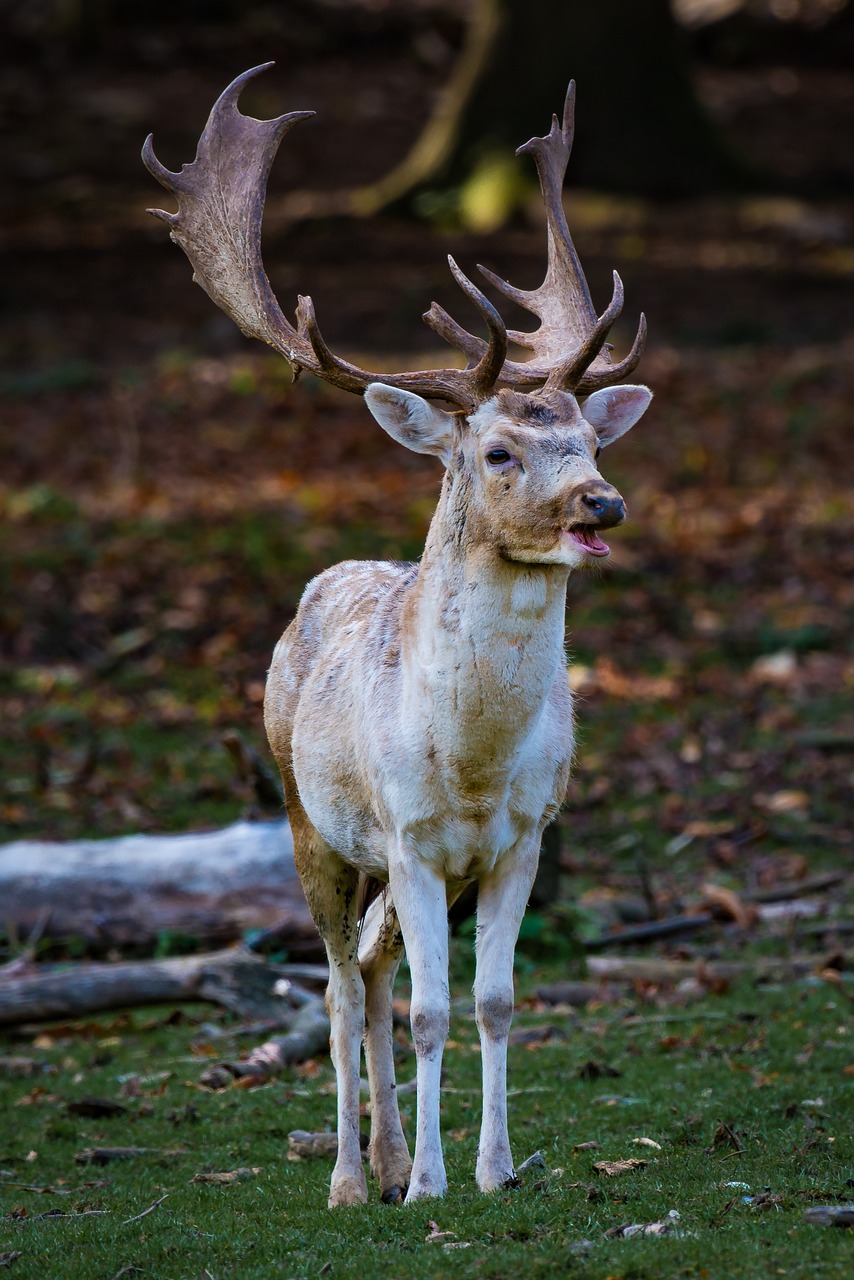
<point x="584" y="536"/>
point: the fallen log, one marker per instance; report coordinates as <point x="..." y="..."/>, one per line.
<point x="129" y="892"/>
<point x="236" y="979"/>
<point x="659" y="970"/>
<point x="307" y="1036"/>
<point x="828" y="1215"/>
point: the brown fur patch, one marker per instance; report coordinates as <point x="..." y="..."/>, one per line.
<point x="544" y="409"/>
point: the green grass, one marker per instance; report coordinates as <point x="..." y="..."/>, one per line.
<point x="770" y="1064"/>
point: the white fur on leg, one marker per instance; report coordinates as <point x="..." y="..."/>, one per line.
<point x="421" y="902"/>
<point x="345" y="1004"/>
<point x="502" y="899"/>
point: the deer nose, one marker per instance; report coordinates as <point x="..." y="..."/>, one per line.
<point x="606" y="509"/>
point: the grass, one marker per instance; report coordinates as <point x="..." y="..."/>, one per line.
<point x="751" y="1087"/>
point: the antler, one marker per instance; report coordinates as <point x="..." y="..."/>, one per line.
<point x="218" y="225"/>
<point x="569" y="351"/>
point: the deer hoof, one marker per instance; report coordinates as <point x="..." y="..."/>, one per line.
<point x="347" y="1191"/>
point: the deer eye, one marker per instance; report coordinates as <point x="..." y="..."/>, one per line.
<point x="596" y="454"/>
<point x="497" y="457"/>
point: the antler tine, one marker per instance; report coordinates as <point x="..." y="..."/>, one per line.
<point x="563" y="295"/>
<point x="218" y="225"/>
<point x="486" y="372"/>
<point x="220" y="205"/>
<point x="454" y="334"/>
<point x="567" y="375"/>
<point x="571" y="336"/>
<point x="592" y="380"/>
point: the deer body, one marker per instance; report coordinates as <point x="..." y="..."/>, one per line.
<point x="404" y="688"/>
<point x="420" y="714"/>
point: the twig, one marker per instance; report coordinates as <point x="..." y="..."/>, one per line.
<point x="799" y="888"/>
<point x="40" y="1191"/>
<point x="82" y="1213"/>
<point x="655" y="929"/>
<point x="145" y="1212"/>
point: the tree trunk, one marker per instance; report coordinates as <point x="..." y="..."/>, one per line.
<point x="641" y="128"/>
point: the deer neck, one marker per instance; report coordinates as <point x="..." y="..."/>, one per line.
<point x="484" y="636"/>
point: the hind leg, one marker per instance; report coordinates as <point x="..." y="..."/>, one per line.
<point x="331" y="889"/>
<point x="380" y="953"/>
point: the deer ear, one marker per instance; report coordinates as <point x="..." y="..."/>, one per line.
<point x="411" y="420"/>
<point x="614" y="410"/>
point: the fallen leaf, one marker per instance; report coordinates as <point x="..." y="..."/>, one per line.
<point x="436" y="1235"/>
<point x="95" y="1108"/>
<point x="596" y="1070"/>
<point x="775" y="668"/>
<point x="226" y="1179"/>
<point x="647" y="1142"/>
<point x="664" y="1227"/>
<point x="782" y="801"/>
<point x="743" y="914"/>
<point x="613" y="1168"/>
<point x="305" y="1145"/>
<point x="534" y="1037"/>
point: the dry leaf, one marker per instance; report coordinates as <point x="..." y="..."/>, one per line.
<point x="647" y="1142"/>
<point x="782" y="801"/>
<point x="665" y="1227"/>
<point x="613" y="1168"/>
<point x="730" y="904"/>
<point x="437" y="1236"/>
<point x="775" y="668"/>
<point x="226" y="1179"/>
<point x="305" y="1145"/>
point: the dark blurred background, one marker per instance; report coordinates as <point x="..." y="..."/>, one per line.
<point x="166" y="494"/>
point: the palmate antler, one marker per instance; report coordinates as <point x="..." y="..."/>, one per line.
<point x="218" y="225"/>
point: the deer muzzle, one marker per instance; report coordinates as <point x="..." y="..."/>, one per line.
<point x="603" y="508"/>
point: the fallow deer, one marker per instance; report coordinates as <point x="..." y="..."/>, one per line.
<point x="420" y="714"/>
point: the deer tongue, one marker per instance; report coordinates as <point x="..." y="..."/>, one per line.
<point x="586" y="537"/>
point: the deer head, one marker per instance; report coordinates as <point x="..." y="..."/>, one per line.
<point x="512" y="419"/>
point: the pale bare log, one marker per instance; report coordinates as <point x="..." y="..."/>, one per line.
<point x="235" y="979"/>
<point x="130" y="891"/>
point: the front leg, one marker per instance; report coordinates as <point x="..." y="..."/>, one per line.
<point x="420" y="901"/>
<point x="502" y="898"/>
